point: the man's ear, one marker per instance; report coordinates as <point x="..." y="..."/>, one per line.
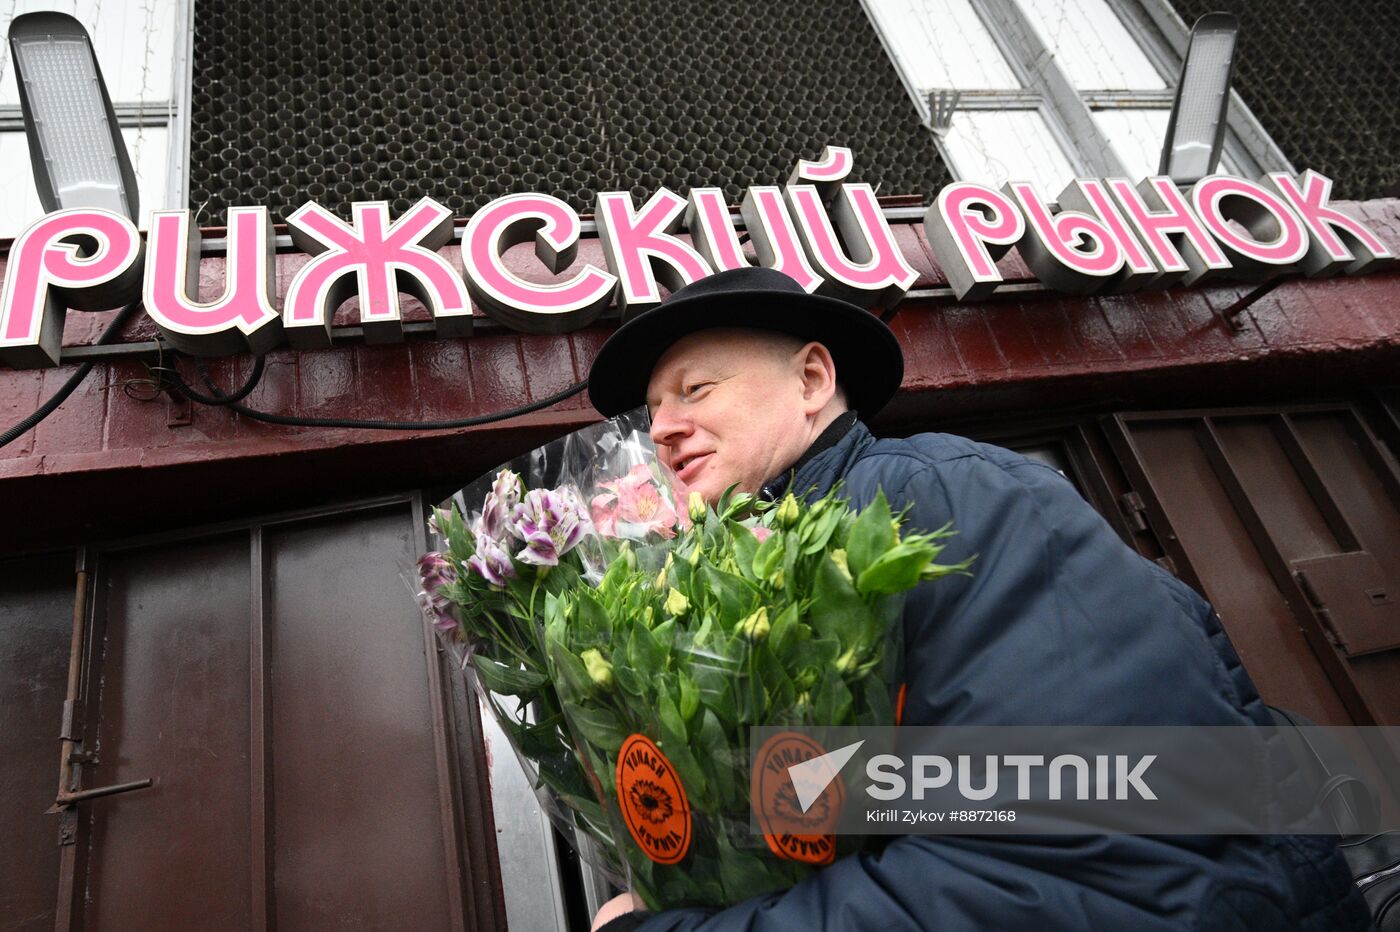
<point x="818" y="377"/>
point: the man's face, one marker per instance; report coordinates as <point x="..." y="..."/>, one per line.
<point x="728" y="406"/>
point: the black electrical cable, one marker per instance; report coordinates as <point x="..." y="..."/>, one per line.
<point x="74" y="380"/>
<point x="220" y="397"/>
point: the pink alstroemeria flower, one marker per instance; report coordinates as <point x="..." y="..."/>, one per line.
<point x="498" y="506"/>
<point x="761" y="532"/>
<point x="435" y="572"/>
<point x="604" y="512"/>
<point x="491" y="561"/>
<point x="634" y="499"/>
<point x="551" y="523"/>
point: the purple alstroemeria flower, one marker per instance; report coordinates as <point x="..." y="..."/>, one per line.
<point x="551" y="523"/>
<point x="435" y="572"/>
<point x="491" y="561"/>
<point x="497" y="507"/>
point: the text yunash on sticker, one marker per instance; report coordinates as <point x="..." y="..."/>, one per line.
<point x="797" y="821"/>
<point x="652" y="801"/>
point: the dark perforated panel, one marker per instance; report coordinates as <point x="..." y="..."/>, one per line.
<point x="467" y="101"/>
<point x="1322" y="78"/>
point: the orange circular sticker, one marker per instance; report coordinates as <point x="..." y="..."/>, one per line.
<point x="652" y="801"/>
<point x="796" y="812"/>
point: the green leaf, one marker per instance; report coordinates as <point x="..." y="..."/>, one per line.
<point x="617" y="572"/>
<point x="719" y="753"/>
<point x="645" y="654"/>
<point x="571" y="677"/>
<point x="690" y="697"/>
<point x="871" y="535"/>
<point x="592" y="623"/>
<point x="717" y="692"/>
<point x="628" y="680"/>
<point x="818" y="654"/>
<point x="784" y="627"/>
<point x="744" y="875"/>
<point x="507" y="680"/>
<point x="831" y="703"/>
<point x="752" y="698"/>
<point x="896" y="570"/>
<point x="735" y="595"/>
<point x="822" y="530"/>
<point x="768" y="555"/>
<point x="837" y="611"/>
<point x="745" y="546"/>
<point x="671" y="716"/>
<point x="877" y="709"/>
<point x="598" y="727"/>
<point x="677" y="750"/>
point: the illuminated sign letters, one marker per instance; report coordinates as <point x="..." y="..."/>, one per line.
<point x="830" y="236"/>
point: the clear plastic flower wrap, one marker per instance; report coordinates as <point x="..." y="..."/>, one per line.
<point x="627" y="641"/>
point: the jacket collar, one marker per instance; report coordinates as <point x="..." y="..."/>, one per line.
<point x="833" y="446"/>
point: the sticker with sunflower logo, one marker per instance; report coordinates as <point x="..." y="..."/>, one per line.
<point x="795" y="832"/>
<point x="652" y="801"/>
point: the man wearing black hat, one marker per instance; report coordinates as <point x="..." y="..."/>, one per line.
<point x="750" y="380"/>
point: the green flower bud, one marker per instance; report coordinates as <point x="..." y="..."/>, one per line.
<point x="694" y="557"/>
<point x="803" y="704"/>
<point x="806" y="679"/>
<point x="599" y="670"/>
<point x="839" y="558"/>
<point x="787" y="512"/>
<point x="648" y="616"/>
<point x="696" y="506"/>
<point x="661" y="576"/>
<point x="676" y="602"/>
<point x="778" y="578"/>
<point x="756" y="626"/>
<point x="846" y="662"/>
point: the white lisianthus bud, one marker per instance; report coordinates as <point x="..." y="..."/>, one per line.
<point x="755" y="627"/>
<point x="599" y="670"/>
<point x="676" y="602"/>
<point x="787" y="511"/>
<point x="839" y="558"/>
<point x="695" y="504"/>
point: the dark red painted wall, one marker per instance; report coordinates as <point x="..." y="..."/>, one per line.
<point x="106" y="463"/>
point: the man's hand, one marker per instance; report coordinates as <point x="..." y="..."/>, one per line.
<point x="625" y="903"/>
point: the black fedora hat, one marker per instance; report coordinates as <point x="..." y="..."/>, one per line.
<point x="869" y="362"/>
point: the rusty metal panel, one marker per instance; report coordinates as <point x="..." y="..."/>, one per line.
<point x="36" y="606"/>
<point x="173" y="707"/>
<point x="1357" y="603"/>
<point x="357" y="841"/>
<point x="1212" y="538"/>
<point x="1297" y="517"/>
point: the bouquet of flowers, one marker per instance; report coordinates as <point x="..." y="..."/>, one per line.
<point x="640" y="638"/>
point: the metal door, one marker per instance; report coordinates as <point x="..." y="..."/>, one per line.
<point x="1288" y="519"/>
<point x="36" y="619"/>
<point x="276" y="683"/>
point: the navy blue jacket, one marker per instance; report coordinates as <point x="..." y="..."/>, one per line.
<point x="1060" y="623"/>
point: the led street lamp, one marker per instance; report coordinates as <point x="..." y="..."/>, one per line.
<point x="75" y="146"/>
<point x="1196" y="130"/>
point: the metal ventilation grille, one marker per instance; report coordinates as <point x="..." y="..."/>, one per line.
<point x="1322" y="79"/>
<point x="344" y="101"/>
